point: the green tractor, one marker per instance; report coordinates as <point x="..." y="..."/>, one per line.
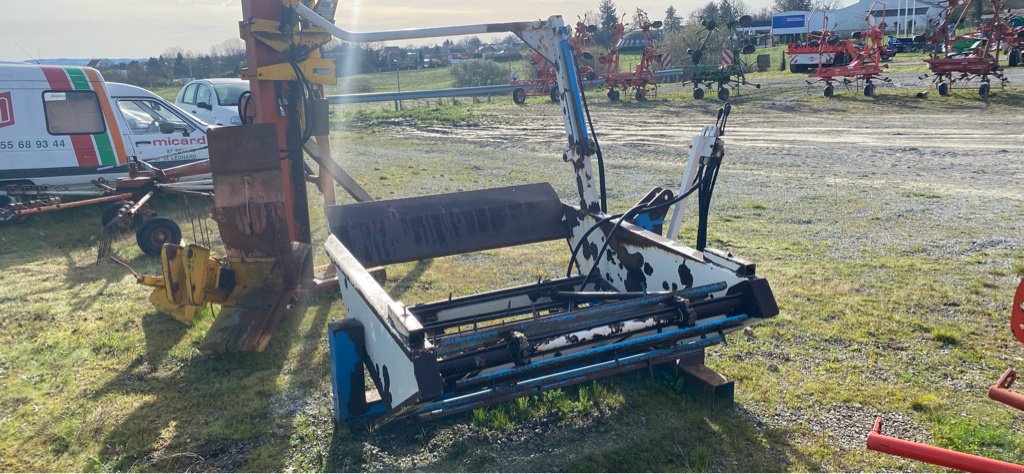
<point x="726" y="70"/>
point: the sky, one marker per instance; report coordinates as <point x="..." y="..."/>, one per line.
<point x="143" y="28"/>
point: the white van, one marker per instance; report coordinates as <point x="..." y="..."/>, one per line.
<point x="64" y="126"/>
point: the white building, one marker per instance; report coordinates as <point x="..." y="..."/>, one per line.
<point x="901" y="18"/>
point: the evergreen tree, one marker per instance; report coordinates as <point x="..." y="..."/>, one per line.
<point x="609" y="17"/>
<point x="671" y="18"/>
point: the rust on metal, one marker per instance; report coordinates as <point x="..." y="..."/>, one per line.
<point x="403" y="230"/>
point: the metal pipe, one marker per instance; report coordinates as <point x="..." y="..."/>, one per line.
<point x="83" y="203"/>
<point x="618" y="348"/>
<point x="1001" y="393"/>
<point x="412" y="33"/>
<point x="932" y="455"/>
<point x="567" y="378"/>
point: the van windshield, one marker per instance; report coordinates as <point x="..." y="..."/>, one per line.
<point x="227" y="94"/>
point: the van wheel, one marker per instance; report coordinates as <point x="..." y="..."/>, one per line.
<point x="111" y="213"/>
<point x="155" y="232"/>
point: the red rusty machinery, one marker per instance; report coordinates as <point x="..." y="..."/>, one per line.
<point x="956" y="61"/>
<point x="999" y="392"/>
<point x="857" y="60"/>
<point x="641" y="80"/>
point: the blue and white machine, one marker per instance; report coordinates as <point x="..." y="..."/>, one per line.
<point x="631" y="298"/>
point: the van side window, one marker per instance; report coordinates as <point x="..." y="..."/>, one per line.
<point x="189" y="97"/>
<point x="145" y="117"/>
<point x="204" y="95"/>
<point x="73" y="113"/>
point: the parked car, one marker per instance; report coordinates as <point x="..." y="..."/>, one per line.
<point x="214" y="101"/>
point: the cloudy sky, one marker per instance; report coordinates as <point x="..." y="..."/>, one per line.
<point x="143" y="28"/>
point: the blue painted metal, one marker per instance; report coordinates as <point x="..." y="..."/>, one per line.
<point x="348" y="388"/>
<point x="570" y="377"/>
<point x="345" y="360"/>
<point x="574" y="83"/>
<point x="603" y="351"/>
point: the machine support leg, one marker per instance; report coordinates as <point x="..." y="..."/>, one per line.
<point x="705" y="384"/>
<point x="348" y="379"/>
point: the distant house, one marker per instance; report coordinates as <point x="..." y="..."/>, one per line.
<point x="485" y="51"/>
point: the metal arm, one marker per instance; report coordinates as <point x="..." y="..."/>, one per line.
<point x="549" y="38"/>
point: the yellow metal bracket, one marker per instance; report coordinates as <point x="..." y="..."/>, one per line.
<point x="317" y="71"/>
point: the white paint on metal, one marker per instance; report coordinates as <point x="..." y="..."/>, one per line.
<point x="701" y="147"/>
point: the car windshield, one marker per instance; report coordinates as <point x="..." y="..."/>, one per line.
<point x="227" y="94"/>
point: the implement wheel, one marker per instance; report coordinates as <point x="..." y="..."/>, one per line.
<point x="641" y="95"/>
<point x="869" y="90"/>
<point x="613" y="95"/>
<point x="943" y="89"/>
<point x="723" y="93"/>
<point x="111" y="213"/>
<point x="698" y="93"/>
<point x="1013" y="59"/>
<point x="519" y="96"/>
<point x="155" y="232"/>
<point x="829" y="91"/>
<point x="984" y="89"/>
<point x="554" y="93"/>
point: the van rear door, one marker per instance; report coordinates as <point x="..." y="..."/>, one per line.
<point x="158" y="133"/>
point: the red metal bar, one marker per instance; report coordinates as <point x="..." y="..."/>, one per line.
<point x="82" y="203"/>
<point x="1017" y="313"/>
<point x="937" y="456"/>
<point x="1001" y="393"/>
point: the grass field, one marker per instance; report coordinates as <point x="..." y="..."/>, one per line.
<point x="893" y="253"/>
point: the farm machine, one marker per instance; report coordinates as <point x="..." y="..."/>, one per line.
<point x="544" y="81"/>
<point x="976" y="60"/>
<point x="633" y="297"/>
<point x="999" y="392"/>
<point x="726" y="70"/>
<point x="852" y="63"/>
<point x="641" y="81"/>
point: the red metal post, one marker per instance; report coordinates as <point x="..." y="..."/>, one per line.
<point x="1000" y="392"/>
<point x="937" y="456"/>
<point x="1017" y="313"/>
<point x="270" y="101"/>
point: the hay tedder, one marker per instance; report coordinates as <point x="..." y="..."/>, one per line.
<point x="544" y="81"/>
<point x="632" y="297"/>
<point x="999" y="392"/>
<point x="641" y="81"/>
<point x="955" y="61"/>
<point x="725" y="70"/>
<point x="853" y="63"/>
